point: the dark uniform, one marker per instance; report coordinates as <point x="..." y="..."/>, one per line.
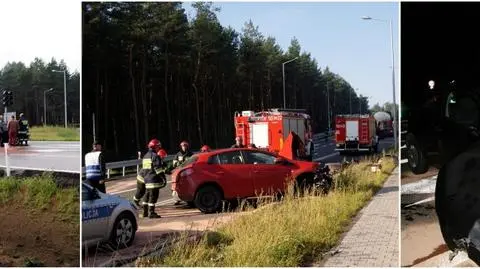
<point x="152" y="174"/>
<point x="238" y="146"/>
<point x="180" y="158"/>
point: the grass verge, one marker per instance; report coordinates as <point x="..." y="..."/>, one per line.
<point x="41" y="193"/>
<point x="287" y="234"/>
<point x="54" y="133"/>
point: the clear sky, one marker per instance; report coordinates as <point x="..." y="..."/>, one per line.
<point x="333" y="33"/>
<point x="43" y="29"/>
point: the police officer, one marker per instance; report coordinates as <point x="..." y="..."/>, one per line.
<point x="151" y="173"/>
<point x="95" y="167"/>
<point x="238" y="142"/>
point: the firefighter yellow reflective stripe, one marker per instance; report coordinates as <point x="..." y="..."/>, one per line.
<point x="140" y="178"/>
<point x="147" y="164"/>
<point x="159" y="171"/>
<point x="153" y="185"/>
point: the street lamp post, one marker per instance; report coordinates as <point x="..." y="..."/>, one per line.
<point x="64" y="91"/>
<point x="328" y="108"/>
<point x="283" y="75"/>
<point x="394" y="112"/>
<point x="45" y="106"/>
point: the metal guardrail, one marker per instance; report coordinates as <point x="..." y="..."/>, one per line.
<point x="127" y="163"/>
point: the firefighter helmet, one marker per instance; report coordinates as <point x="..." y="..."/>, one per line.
<point x="238" y="138"/>
<point x="162" y="153"/>
<point x="205" y="148"/>
<point x="154" y="143"/>
<point x="184" y="143"/>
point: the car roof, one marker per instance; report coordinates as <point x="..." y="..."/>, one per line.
<point x="204" y="156"/>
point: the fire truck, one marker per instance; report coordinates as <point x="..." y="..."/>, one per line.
<point x="356" y="133"/>
<point x="384" y="124"/>
<point x="270" y="128"/>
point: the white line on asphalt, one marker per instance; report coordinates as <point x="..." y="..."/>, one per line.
<point x="129" y="190"/>
<point x="171" y="200"/>
<point x="41" y="169"/>
<point x="422" y="201"/>
<point x="327" y="156"/>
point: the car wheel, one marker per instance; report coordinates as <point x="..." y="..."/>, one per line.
<point x="303" y="185"/>
<point x="123" y="231"/>
<point x="417" y="158"/>
<point x="208" y="199"/>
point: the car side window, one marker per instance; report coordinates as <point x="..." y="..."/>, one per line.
<point x="233" y="157"/>
<point x="253" y="157"/>
<point x="213" y="160"/>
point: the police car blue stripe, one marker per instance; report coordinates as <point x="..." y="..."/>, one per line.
<point x="98" y="212"/>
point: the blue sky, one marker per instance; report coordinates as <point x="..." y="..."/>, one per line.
<point x="333" y="33"/>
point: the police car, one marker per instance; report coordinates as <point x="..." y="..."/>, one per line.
<point x="107" y="218"/>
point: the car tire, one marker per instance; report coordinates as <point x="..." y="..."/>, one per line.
<point x="417" y="157"/>
<point x="123" y="231"/>
<point x="208" y="199"/>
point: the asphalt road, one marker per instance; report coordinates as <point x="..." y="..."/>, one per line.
<point x="329" y="155"/>
<point x="48" y="156"/>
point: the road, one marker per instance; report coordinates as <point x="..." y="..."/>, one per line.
<point x="39" y="155"/>
<point x="329" y="155"/>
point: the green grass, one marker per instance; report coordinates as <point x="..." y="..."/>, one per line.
<point x="41" y="193"/>
<point x="286" y="234"/>
<point x="54" y="133"/>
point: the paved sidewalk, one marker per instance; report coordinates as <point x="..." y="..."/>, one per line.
<point x="373" y="240"/>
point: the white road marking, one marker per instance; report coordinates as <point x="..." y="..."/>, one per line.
<point x="129" y="190"/>
<point x="166" y="202"/>
<point x="327" y="156"/>
<point x="421" y="202"/>
<point x="41" y="169"/>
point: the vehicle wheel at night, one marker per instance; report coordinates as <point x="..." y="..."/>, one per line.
<point x="123" y="231"/>
<point x="208" y="199"/>
<point x="417" y="158"/>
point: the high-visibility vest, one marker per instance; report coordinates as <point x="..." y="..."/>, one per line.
<point x="92" y="166"/>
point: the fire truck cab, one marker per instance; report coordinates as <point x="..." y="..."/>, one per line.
<point x="355" y="133"/>
<point x="269" y="129"/>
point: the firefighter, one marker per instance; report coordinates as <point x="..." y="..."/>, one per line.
<point x="95" y="167"/>
<point x="180" y="158"/>
<point x="205" y="148"/>
<point x="140" y="180"/>
<point x="252" y="146"/>
<point x="238" y="142"/>
<point x="151" y="174"/>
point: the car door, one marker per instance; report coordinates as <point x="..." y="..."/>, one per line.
<point x="233" y="175"/>
<point x="268" y="177"/>
<point x="94" y="222"/>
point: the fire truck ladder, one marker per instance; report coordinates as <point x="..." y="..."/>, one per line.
<point x="240" y="131"/>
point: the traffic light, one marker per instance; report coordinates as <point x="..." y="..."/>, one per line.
<point x="4" y="97"/>
<point x="7" y="97"/>
<point x="10" y="98"/>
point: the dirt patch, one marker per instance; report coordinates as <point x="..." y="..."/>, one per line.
<point x="421" y="236"/>
<point x="408" y="177"/>
<point x="41" y="238"/>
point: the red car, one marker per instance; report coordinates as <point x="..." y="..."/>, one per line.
<point x="207" y="179"/>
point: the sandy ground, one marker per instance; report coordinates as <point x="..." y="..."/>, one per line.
<point x="421" y="236"/>
<point x="42" y="237"/>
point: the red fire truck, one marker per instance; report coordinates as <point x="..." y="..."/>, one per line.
<point x="269" y="129"/>
<point x="356" y="133"/>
